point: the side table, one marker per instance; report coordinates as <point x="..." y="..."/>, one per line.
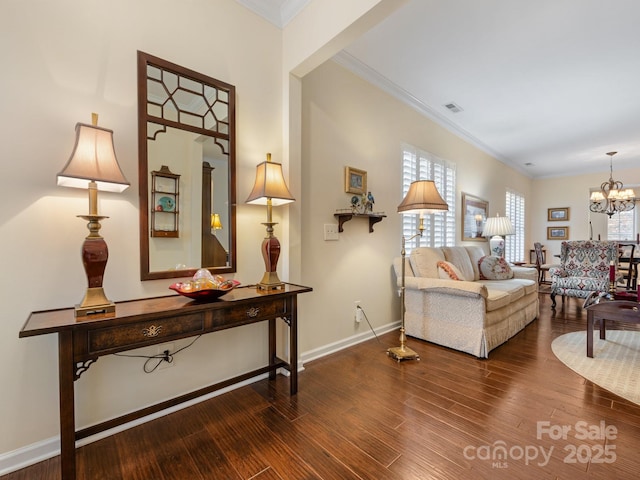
<point x="616" y="310"/>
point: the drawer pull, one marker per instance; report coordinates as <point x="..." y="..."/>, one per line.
<point x="253" y="312"/>
<point x="152" y="331"/>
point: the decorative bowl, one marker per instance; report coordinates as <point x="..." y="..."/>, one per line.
<point x="204" y="286"/>
<point x="204" y="295"/>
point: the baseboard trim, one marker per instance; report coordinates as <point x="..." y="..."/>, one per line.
<point x="48" y="448"/>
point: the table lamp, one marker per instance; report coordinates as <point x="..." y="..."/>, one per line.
<point x="216" y="224"/>
<point x="496" y="228"/>
<point x="270" y="189"/>
<point x="422" y="198"/>
<point x="93" y="165"/>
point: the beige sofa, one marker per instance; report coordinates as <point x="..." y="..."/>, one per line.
<point x="472" y="314"/>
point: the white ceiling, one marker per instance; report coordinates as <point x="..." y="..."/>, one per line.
<point x="548" y="86"/>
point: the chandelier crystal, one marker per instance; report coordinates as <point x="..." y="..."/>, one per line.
<point x="612" y="197"/>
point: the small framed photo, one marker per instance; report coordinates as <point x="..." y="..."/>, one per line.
<point x="557" y="233"/>
<point x="355" y="180"/>
<point x="558" y="214"/>
<point x="474" y="215"/>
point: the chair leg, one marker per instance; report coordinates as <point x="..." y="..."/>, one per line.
<point x="553" y="299"/>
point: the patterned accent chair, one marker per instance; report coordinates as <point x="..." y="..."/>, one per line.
<point x="584" y="268"/>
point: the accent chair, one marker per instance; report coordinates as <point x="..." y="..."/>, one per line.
<point x="584" y="268"/>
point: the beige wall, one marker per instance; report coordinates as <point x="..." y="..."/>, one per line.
<point x="349" y="122"/>
<point x="64" y="60"/>
<point x="572" y="192"/>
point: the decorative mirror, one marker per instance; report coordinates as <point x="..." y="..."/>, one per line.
<point x="186" y="141"/>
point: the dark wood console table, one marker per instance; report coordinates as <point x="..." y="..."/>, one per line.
<point x="140" y="323"/>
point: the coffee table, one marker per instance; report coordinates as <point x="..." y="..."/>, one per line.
<point x="617" y="310"/>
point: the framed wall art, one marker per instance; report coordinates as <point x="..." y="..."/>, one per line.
<point x="474" y="215"/>
<point x="355" y="181"/>
<point x="558" y="214"/>
<point x="557" y="233"/>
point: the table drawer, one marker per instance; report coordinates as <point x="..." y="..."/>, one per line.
<point x="250" y="313"/>
<point x="144" y="332"/>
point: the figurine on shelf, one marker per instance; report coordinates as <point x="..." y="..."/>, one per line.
<point x="355" y="202"/>
<point x="368" y="205"/>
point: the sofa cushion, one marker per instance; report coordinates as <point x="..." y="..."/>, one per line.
<point x="460" y="258"/>
<point x="494" y="268"/>
<point x="475" y="254"/>
<point x="448" y="271"/>
<point x="424" y="261"/>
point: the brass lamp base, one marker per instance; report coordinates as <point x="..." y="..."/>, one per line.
<point x="270" y="281"/>
<point x="95" y="302"/>
<point x="402" y="353"/>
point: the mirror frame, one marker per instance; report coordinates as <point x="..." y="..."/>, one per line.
<point x="144" y="60"/>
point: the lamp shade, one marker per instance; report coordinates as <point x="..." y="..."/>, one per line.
<point x="93" y="159"/>
<point x="269" y="184"/>
<point x="422" y="196"/>
<point x="498" y="226"/>
<point x="216" y="224"/>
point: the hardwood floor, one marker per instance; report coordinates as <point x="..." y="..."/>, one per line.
<point x="361" y="415"/>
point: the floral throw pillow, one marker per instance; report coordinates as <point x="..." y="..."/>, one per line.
<point x="494" y="268"/>
<point x="448" y="271"/>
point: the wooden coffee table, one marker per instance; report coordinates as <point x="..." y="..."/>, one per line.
<point x="616" y="310"/>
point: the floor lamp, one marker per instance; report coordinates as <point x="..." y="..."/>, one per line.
<point x="422" y="198"/>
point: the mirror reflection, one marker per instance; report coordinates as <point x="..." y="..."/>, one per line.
<point x="187" y="171"/>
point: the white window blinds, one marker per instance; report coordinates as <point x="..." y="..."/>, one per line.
<point x="514" y="244"/>
<point x="440" y="227"/>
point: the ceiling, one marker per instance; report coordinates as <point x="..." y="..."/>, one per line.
<point x="548" y="86"/>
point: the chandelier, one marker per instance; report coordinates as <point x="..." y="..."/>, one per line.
<point x="612" y="197"/>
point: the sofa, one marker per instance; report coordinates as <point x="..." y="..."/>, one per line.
<point x="461" y="298"/>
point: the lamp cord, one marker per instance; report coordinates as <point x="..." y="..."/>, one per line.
<point x="160" y="357"/>
<point x="367" y="319"/>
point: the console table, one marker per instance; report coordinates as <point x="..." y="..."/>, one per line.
<point x="140" y="323"/>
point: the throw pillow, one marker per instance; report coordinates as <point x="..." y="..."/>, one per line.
<point x="494" y="268"/>
<point x="448" y="271"/>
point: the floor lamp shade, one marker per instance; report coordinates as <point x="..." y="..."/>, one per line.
<point x="496" y="228"/>
<point x="270" y="189"/>
<point x="422" y="197"/>
<point x="93" y="165"/>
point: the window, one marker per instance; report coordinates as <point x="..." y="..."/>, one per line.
<point x="622" y="226"/>
<point x="440" y="227"/>
<point x="514" y="244"/>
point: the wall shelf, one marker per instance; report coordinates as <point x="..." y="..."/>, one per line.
<point x="345" y="217"/>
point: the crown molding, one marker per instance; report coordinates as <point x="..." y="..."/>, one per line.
<point x="277" y="12"/>
<point x="367" y="73"/>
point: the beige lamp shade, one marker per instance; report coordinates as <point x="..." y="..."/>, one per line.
<point x="269" y="184"/>
<point x="498" y="226"/>
<point x="422" y="197"/>
<point x="93" y="159"/>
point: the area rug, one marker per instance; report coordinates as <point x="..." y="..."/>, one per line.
<point x="615" y="365"/>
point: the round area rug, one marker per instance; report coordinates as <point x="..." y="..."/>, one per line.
<point x="615" y="365"/>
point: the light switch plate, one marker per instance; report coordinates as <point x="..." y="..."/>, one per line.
<point x="331" y="231"/>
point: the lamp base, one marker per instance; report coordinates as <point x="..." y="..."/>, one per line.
<point x="270" y="281"/>
<point x="402" y="353"/>
<point x="496" y="245"/>
<point x="94" y="302"/>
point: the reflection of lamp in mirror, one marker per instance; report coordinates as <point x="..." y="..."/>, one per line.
<point x="93" y="165"/>
<point x="422" y="198"/>
<point x="216" y="224"/>
<point x="270" y="189"/>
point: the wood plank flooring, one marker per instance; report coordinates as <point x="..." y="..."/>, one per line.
<point x="361" y="415"/>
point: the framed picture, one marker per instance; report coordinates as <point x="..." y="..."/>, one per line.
<point x="355" y="181"/>
<point x="474" y="215"/>
<point x="558" y="214"/>
<point x="557" y="233"/>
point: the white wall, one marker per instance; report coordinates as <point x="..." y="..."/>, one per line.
<point x="63" y="60"/>
<point x="349" y="122"/>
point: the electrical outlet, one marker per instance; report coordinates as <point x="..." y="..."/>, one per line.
<point x="357" y="315"/>
<point x="331" y="231"/>
<point x="170" y="347"/>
